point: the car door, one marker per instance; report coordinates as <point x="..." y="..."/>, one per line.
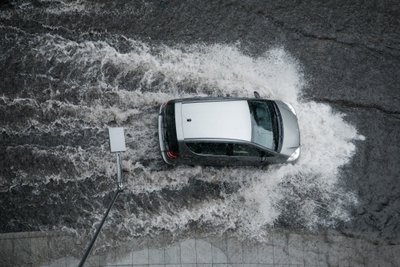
<point x="246" y="154"/>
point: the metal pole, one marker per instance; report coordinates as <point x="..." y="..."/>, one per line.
<point x="82" y="262"/>
<point x="120" y="185"/>
<point x="115" y="147"/>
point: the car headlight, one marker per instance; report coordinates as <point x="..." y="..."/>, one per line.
<point x="291" y="108"/>
<point x="295" y="155"/>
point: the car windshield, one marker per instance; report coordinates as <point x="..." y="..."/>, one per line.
<point x="263" y="120"/>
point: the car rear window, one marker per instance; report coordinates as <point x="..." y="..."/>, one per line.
<point x="170" y="128"/>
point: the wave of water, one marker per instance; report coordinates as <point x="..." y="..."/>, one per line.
<point x="120" y="81"/>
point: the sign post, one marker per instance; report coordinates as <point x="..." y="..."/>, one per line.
<point x="117" y="145"/>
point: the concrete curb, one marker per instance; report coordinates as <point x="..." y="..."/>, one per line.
<point x="281" y="249"/>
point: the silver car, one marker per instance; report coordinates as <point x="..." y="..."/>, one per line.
<point x="228" y="131"/>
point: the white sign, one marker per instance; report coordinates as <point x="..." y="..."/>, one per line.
<point x="117" y="139"/>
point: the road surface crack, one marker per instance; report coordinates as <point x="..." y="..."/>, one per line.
<point x="351" y="104"/>
<point x="394" y="51"/>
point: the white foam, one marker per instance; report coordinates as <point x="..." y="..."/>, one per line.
<point x="59" y="7"/>
<point x="327" y="139"/>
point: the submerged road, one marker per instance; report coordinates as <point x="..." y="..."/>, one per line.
<point x="69" y="69"/>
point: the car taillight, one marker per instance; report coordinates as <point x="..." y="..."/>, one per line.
<point x="172" y="154"/>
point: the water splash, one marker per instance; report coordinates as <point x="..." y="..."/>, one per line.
<point x="106" y="85"/>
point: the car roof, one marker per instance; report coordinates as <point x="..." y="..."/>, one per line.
<point x="219" y="119"/>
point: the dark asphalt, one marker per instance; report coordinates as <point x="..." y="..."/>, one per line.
<point x="349" y="51"/>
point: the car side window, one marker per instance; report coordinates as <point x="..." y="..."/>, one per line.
<point x="208" y="148"/>
<point x="246" y="150"/>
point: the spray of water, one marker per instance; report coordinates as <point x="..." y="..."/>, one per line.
<point x="126" y="89"/>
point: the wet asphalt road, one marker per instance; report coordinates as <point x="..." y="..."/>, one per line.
<point x="350" y="54"/>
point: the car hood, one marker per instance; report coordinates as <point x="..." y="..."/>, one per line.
<point x="291" y="132"/>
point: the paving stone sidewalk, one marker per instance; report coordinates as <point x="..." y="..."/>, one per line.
<point x="282" y="249"/>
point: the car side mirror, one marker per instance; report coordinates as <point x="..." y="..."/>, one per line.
<point x="256" y="94"/>
<point x="263" y="156"/>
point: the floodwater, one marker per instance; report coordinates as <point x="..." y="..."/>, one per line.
<point x="70" y="69"/>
